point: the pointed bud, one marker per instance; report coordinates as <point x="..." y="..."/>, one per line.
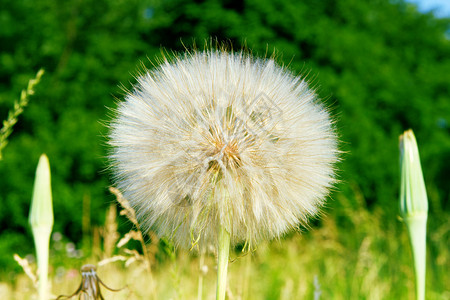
<point x="414" y="205"/>
<point x="41" y="212"/>
<point x="41" y="220"/>
<point x="413" y="195"/>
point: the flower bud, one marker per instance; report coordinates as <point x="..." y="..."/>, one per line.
<point x="414" y="205"/>
<point x="41" y="212"/>
<point x="413" y="196"/>
<point x="41" y="220"/>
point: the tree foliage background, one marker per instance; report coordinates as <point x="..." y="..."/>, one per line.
<point x="381" y="66"/>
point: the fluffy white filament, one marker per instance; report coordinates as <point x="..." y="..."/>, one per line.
<point x="216" y="137"/>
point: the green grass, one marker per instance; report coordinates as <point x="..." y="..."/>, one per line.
<point x="353" y="254"/>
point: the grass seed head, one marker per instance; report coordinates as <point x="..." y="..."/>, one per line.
<point x="217" y="138"/>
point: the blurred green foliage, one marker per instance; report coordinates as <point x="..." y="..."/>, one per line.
<point x="381" y="66"/>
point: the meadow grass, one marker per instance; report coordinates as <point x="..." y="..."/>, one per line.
<point x="353" y="253"/>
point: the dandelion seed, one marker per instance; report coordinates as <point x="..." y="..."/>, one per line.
<point x="222" y="139"/>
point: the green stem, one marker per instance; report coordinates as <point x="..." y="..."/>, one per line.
<point x="200" y="278"/>
<point x="417" y="229"/>
<point x="41" y="239"/>
<point x="222" y="262"/>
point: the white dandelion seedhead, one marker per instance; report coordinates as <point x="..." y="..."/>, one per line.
<point x="216" y="138"/>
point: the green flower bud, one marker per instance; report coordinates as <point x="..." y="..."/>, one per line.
<point x="41" y="220"/>
<point x="413" y="195"/>
<point x="41" y="212"/>
<point x="414" y="205"/>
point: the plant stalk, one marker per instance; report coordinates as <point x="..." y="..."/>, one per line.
<point x="200" y="278"/>
<point x="41" y="236"/>
<point x="417" y="229"/>
<point x="222" y="262"/>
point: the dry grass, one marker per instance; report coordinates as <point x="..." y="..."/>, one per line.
<point x="354" y="254"/>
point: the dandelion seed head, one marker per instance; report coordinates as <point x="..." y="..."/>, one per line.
<point x="215" y="138"/>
